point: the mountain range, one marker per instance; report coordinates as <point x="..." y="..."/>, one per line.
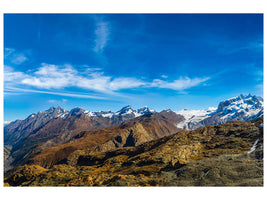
<point x="73" y="121"/>
<point x="58" y="137"/>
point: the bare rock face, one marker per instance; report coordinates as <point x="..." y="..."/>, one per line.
<point x="131" y="137"/>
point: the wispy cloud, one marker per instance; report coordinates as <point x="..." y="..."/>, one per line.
<point x="60" y="77"/>
<point x="14" y="57"/>
<point x="252" y="46"/>
<point x="180" y="84"/>
<point x="102" y="32"/>
<point x="52" y="76"/>
<point x="66" y="94"/>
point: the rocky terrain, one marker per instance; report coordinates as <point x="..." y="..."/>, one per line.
<point x="224" y="155"/>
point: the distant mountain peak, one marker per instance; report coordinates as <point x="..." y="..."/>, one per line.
<point x="242" y="107"/>
<point x="240" y="101"/>
<point x="51" y="109"/>
<point x="143" y="110"/>
<point x="75" y="111"/>
<point x="125" y="110"/>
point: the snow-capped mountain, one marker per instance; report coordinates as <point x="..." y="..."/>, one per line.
<point x="126" y="111"/>
<point x="20" y="129"/>
<point x="242" y="107"/>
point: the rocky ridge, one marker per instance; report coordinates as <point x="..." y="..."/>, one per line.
<point x="57" y="126"/>
<point x="130" y="133"/>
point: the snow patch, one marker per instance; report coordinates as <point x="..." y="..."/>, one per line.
<point x="253" y="148"/>
<point x="90" y="114"/>
<point x="193" y="117"/>
<point x="108" y="115"/>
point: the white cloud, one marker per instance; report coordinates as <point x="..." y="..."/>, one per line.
<point x="52" y="76"/>
<point x="10" y="75"/>
<point x="56" y="77"/>
<point x="101" y="34"/>
<point x="179" y="84"/>
<point x="124" y="83"/>
<point x="95" y="83"/>
<point x="59" y="77"/>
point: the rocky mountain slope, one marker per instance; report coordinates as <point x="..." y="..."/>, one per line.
<point x="223" y="155"/>
<point x="57" y="126"/>
<point x="242" y="107"/>
<point x="130" y="133"/>
<point x="60" y="137"/>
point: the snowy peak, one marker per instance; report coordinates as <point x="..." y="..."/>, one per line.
<point x="242" y="107"/>
<point x="144" y="110"/>
<point x="52" y="112"/>
<point x="240" y="102"/>
<point x="76" y="111"/>
<point x="125" y="110"/>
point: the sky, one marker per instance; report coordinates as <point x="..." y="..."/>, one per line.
<point x="108" y="61"/>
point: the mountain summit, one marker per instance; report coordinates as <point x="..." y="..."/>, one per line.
<point x="242" y="107"/>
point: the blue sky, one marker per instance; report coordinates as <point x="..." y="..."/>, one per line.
<point x="102" y="62"/>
